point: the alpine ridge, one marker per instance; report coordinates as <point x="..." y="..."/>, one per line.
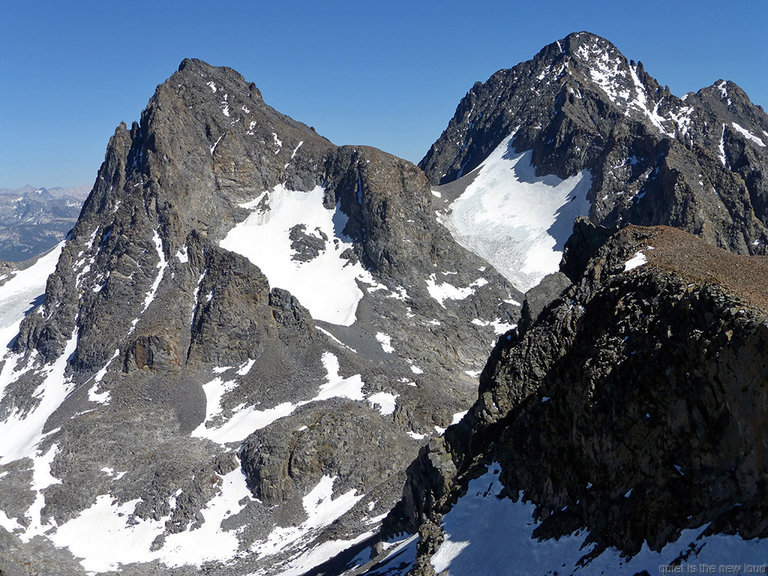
<point x="258" y="352"/>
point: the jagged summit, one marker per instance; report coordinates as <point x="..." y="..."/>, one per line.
<point x="696" y="162"/>
<point x="581" y="77"/>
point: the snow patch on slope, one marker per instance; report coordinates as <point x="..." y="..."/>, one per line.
<point x="639" y="259"/>
<point x="20" y="293"/>
<point x="321" y="508"/>
<point x="748" y="135"/>
<point x="162" y="264"/>
<point x="482" y="528"/>
<point x="104" y="537"/>
<point x="515" y="220"/>
<point x="244" y="420"/>
<point x="22" y="432"/>
<point x="326" y="284"/>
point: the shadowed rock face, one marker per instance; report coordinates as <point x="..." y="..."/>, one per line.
<point x="695" y="162"/>
<point x="632" y="407"/>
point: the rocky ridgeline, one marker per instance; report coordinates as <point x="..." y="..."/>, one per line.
<point x="631" y="407"/>
<point x="698" y="162"/>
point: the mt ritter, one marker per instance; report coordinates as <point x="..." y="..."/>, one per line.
<point x="258" y="353"/>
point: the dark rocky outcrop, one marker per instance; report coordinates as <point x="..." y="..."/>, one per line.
<point x="632" y="407"/>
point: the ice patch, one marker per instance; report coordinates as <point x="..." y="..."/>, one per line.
<point x="515" y="220"/>
<point x="499" y="327"/>
<point x="641" y="103"/>
<point x="182" y="255"/>
<point x="104" y="538"/>
<point x="20" y="294"/>
<point x="9" y="524"/>
<point x="724" y="92"/>
<point x="101" y="397"/>
<point x="386" y="342"/>
<point x="22" y="432"/>
<point x="337" y="386"/>
<point x="319" y="554"/>
<point x="445" y="291"/>
<point x="245" y="420"/>
<point x="748" y="135"/>
<point x="458" y="416"/>
<point x="723" y="159"/>
<point x="606" y="71"/>
<point x="162" y="264"/>
<point x="332" y="337"/>
<point x="214" y="392"/>
<point x="245" y="367"/>
<point x="327" y="284"/>
<point x="213" y="148"/>
<point x="321" y="508"/>
<point x="41" y="479"/>
<point x="277" y="142"/>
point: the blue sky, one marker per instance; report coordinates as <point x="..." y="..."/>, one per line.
<point x="383" y="73"/>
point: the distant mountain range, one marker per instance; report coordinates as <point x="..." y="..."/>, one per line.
<point x="34" y="220"/>
<point x="540" y="351"/>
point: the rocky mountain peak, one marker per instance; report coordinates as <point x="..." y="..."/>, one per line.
<point x="580" y="106"/>
<point x="234" y="276"/>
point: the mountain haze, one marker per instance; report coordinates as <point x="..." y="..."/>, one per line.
<point x="34" y="220"/>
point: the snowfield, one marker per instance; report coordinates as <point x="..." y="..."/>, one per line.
<point x="327" y="284"/>
<point x="515" y="220"/>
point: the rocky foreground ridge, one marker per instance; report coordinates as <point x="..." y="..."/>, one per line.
<point x="630" y="411"/>
<point x="251" y="333"/>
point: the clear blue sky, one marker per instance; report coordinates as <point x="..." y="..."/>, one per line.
<point x="384" y="73"/>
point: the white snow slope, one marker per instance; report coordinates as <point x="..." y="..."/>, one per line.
<point x="515" y="220"/>
<point x="486" y="534"/>
<point x="20" y="432"/>
<point x="327" y="284"/>
<point x="19" y="293"/>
